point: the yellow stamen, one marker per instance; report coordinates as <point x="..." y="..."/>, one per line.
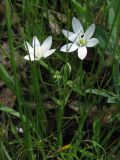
<point x="82" y="42"/>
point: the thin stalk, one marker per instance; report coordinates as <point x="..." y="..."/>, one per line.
<point x="2" y="154"/>
<point x="40" y="113"/>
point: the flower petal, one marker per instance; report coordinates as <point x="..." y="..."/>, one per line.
<point x="47" y="44"/>
<point x="70" y="47"/>
<point x="82" y="52"/>
<point x="48" y="53"/>
<point x="89" y="32"/>
<point x="77" y="27"/>
<point x="28" y="47"/>
<point x="35" y="42"/>
<point x="70" y="35"/>
<point x="29" y="57"/>
<point x="92" y="42"/>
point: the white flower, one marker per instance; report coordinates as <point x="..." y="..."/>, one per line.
<point x="79" y="39"/>
<point x="37" y="51"/>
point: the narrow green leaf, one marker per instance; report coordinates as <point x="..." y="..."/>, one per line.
<point x="4" y="75"/>
<point x="6" y="153"/>
<point x="10" y="111"/>
<point x="100" y="92"/>
<point x="78" y="7"/>
<point x="87" y="154"/>
<point x="66" y="70"/>
<point x="102" y="36"/>
<point x="2" y="155"/>
<point x="96" y="129"/>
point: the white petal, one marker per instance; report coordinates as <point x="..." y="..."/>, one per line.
<point x="92" y="42"/>
<point x="82" y="52"/>
<point x="29" y="57"/>
<point x="28" y="47"/>
<point x="48" y="53"/>
<point x="89" y="32"/>
<point x="77" y="27"/>
<point x="35" y="42"/>
<point x="70" y="47"/>
<point x="47" y="44"/>
<point x="70" y="35"/>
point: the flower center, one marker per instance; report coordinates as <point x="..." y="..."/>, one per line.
<point x="38" y="52"/>
<point x="82" y="40"/>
